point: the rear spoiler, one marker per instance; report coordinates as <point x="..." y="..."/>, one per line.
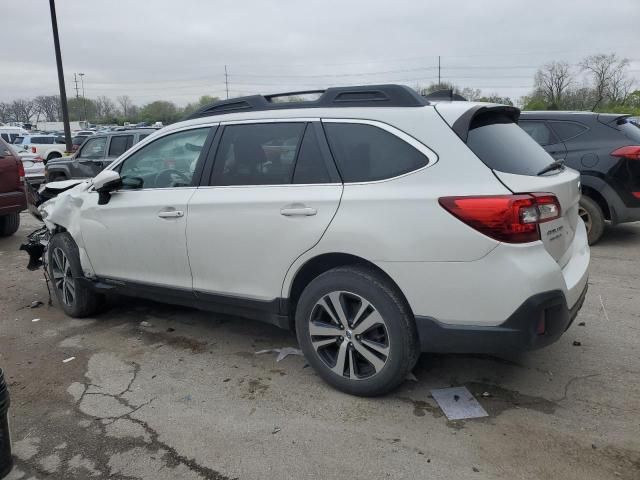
<point x="483" y="115"/>
<point x="609" y="118"/>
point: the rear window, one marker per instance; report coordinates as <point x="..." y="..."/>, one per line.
<point x="630" y="129"/>
<point x="502" y="145"/>
<point x="365" y="153"/>
<point x="567" y="130"/>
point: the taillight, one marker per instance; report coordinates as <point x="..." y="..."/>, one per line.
<point x="632" y="152"/>
<point x="507" y="218"/>
<point x="21" y="171"/>
<point x="636" y="194"/>
<point x="33" y="149"/>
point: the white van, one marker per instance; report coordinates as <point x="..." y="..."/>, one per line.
<point x="9" y="134"/>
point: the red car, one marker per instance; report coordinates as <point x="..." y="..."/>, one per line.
<point x="12" y="190"/>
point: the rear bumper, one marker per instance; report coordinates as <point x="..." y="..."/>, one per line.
<point x="519" y="332"/>
<point x="12" y="202"/>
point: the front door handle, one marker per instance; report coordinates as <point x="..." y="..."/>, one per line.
<point x="298" y="211"/>
<point x="171" y="214"/>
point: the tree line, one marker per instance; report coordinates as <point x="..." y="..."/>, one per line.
<point x="102" y="110"/>
<point x="599" y="82"/>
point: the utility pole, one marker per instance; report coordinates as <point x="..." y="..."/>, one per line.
<point x="75" y="79"/>
<point x="438" y="70"/>
<point x="84" y="100"/>
<point x="226" y="81"/>
<point x="63" y="90"/>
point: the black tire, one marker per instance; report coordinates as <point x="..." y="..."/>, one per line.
<point x="397" y="331"/>
<point x="592" y="215"/>
<point x="84" y="301"/>
<point x="9" y="224"/>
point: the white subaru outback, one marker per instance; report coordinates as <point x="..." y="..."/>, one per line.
<point x="373" y="222"/>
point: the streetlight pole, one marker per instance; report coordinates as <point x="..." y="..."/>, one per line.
<point x="63" y="91"/>
<point x="84" y="100"/>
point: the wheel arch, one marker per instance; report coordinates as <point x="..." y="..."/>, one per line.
<point x="315" y="266"/>
<point x="597" y="197"/>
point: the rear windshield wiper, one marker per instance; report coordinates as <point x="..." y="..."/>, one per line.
<point x="552" y="166"/>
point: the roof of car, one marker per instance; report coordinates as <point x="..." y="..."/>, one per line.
<point x="123" y="132"/>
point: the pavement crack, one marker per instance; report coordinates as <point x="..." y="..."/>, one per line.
<point x="571" y="382"/>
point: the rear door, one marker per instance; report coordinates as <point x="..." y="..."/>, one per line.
<point x="272" y="194"/>
<point x="517" y="162"/>
<point x="541" y="132"/>
<point x="118" y="144"/>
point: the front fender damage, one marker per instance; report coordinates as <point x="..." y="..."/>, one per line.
<point x="61" y="212"/>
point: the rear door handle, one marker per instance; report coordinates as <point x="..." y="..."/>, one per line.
<point x="171" y="214"/>
<point x="298" y="211"/>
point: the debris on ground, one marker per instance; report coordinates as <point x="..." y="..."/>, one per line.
<point x="144" y="323"/>
<point x="67" y="360"/>
<point x="35" y="304"/>
<point x="35" y="320"/>
<point x="171" y="329"/>
<point x="604" y="310"/>
<point x="576" y="343"/>
<point x="581" y="324"/>
<point x="486" y="394"/>
<point x="458" y="403"/>
<point x="276" y="430"/>
<point x="283" y="352"/>
<point x="226" y="380"/>
<point x="411" y="376"/>
<point x="475" y="469"/>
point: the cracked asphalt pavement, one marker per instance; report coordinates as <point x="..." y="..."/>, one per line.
<point x="185" y="397"/>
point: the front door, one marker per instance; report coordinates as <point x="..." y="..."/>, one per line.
<point x="272" y="195"/>
<point x="139" y="235"/>
<point x="89" y="161"/>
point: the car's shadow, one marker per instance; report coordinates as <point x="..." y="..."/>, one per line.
<point x="620" y="235"/>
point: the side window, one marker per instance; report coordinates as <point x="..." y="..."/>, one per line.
<point x="366" y="153"/>
<point x="539" y="132"/>
<point x="120" y="144"/>
<point x="143" y="135"/>
<point x="5" y="137"/>
<point x="257" y="154"/>
<point x="310" y="166"/>
<point x="165" y="163"/>
<point x="93" y="149"/>
<point x="567" y="130"/>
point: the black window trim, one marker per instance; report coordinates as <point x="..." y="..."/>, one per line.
<point x="430" y="155"/>
<point x="551" y="122"/>
<point x="209" y="169"/>
<point x="197" y="173"/>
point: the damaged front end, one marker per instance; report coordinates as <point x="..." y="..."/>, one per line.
<point x="40" y="204"/>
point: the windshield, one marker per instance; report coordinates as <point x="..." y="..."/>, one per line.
<point x="502" y="145"/>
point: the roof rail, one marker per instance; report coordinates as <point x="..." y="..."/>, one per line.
<point x="358" y="96"/>
<point x="447" y="95"/>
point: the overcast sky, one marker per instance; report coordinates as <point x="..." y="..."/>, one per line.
<point x="177" y="50"/>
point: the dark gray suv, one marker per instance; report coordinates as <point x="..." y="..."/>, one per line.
<point x="94" y="154"/>
<point x="605" y="149"/>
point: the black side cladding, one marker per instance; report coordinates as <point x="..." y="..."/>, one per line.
<point x="357" y="96"/>
<point x="6" y="462"/>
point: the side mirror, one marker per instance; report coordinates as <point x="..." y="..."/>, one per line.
<point x="106" y="182"/>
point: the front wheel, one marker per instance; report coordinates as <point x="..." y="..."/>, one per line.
<point x="591" y="213"/>
<point x="356" y="331"/>
<point x="73" y="295"/>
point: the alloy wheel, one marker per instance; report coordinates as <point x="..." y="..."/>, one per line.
<point x="63" y="277"/>
<point x="586" y="218"/>
<point x="349" y="335"/>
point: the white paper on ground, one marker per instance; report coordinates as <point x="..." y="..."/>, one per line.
<point x="457" y="403"/>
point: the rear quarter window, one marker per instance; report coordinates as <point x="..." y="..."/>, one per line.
<point x="365" y="153"/>
<point x="567" y="130"/>
<point x="503" y="146"/>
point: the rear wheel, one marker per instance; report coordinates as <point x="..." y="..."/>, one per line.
<point x="356" y="331"/>
<point x="73" y="295"/>
<point x="9" y="224"/>
<point x="591" y="213"/>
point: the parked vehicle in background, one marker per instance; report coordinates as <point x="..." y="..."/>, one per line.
<point x="605" y="149"/>
<point x="12" y="189"/>
<point x="47" y="146"/>
<point x="33" y="168"/>
<point x="9" y="133"/>
<point x="377" y="223"/>
<point x="96" y="152"/>
<point x="84" y="133"/>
